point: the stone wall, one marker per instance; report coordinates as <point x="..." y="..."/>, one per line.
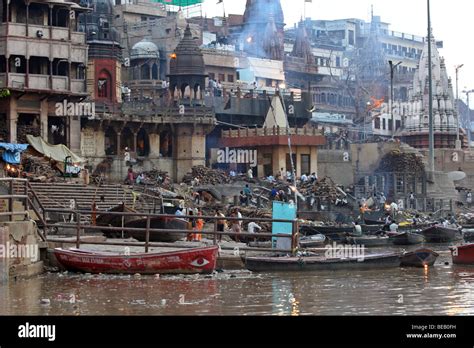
<point x="19" y="236"/>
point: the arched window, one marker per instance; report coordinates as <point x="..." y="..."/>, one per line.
<point x="145" y="71"/>
<point x="166" y="146"/>
<point x="110" y="142"/>
<point x="104" y="85"/>
<point x="143" y="143"/>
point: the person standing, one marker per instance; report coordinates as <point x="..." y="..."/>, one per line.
<point x="199" y="227"/>
<point x="221" y="224"/>
<point x="469" y="198"/>
<point x="236" y="226"/>
<point x="412" y="200"/>
<point x="250" y="173"/>
<point x="248" y="194"/>
<point x="357" y="229"/>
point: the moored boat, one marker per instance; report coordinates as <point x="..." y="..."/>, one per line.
<point x="188" y="261"/>
<point x="115" y="220"/>
<point x="320" y="263"/>
<point x="159" y="223"/>
<point x="407" y="238"/>
<point x="312" y="241"/>
<point x="369" y="241"/>
<point x="418" y="258"/>
<point x="463" y="255"/>
<point x="439" y="234"/>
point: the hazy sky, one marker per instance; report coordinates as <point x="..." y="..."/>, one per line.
<point x="451" y="22"/>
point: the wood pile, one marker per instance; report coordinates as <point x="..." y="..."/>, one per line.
<point x="155" y="177"/>
<point x="39" y="168"/>
<point x="23" y="130"/>
<point x="324" y="188"/>
<point x="397" y="161"/>
<point x="207" y="176"/>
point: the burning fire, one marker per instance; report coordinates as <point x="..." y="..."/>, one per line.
<point x="173" y="55"/>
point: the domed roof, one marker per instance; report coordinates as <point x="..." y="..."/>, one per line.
<point x="144" y="49"/>
<point x="187" y="58"/>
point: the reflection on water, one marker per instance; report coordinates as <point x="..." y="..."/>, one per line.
<point x="440" y="290"/>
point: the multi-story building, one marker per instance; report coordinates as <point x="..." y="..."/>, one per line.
<point x="43" y="59"/>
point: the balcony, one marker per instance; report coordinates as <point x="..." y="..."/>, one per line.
<point x="57" y="33"/>
<point x="41" y="82"/>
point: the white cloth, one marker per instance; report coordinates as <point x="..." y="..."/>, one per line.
<point x="393" y="227"/>
<point x="252" y="226"/>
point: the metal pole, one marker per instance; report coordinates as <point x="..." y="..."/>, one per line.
<point x="469" y="121"/>
<point x="430" y="77"/>
<point x="391" y="99"/>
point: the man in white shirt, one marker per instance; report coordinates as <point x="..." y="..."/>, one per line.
<point x="394" y="227"/>
<point x="252" y="226"/>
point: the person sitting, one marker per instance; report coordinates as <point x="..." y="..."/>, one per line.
<point x="357" y="229"/>
<point x="394" y="227"/>
<point x="140" y="179"/>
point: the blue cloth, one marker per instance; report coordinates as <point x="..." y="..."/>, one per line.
<point x="12" y="153"/>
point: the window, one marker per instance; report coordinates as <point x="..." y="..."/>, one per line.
<point x="102" y="86"/>
<point x="305" y="164"/>
<point x="384" y="124"/>
<point x="338" y="61"/>
<point x="222" y="77"/>
<point x="288" y="162"/>
<point x="390" y="125"/>
<point x="351" y="37"/>
<point x="230" y="78"/>
<point x="398" y="124"/>
<point x="377" y="123"/>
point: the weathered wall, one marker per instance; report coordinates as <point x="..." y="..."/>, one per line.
<point x="17" y="234"/>
<point x="337" y="165"/>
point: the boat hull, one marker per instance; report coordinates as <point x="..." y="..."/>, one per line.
<point x="160" y="223"/>
<point x="369" y="241"/>
<point x="316" y="263"/>
<point x="190" y="261"/>
<point x="407" y="238"/>
<point x="463" y="255"/>
<point x="419" y="258"/>
<point x="437" y="234"/>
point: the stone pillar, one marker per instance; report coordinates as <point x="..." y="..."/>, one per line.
<point x="12" y="120"/>
<point x="4" y="237"/>
<point x="44" y="119"/>
<point x="189" y="148"/>
<point x="154" y="139"/>
<point x="75" y="134"/>
<point x="119" y="145"/>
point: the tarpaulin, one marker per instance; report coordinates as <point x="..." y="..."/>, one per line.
<point x="12" y="153"/>
<point x="56" y="152"/>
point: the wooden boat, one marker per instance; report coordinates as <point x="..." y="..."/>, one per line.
<point x="419" y="258"/>
<point x="372" y="222"/>
<point x="407" y="238"/>
<point x="463" y="255"/>
<point x="439" y="234"/>
<point x="335" y="233"/>
<point x="369" y="241"/>
<point x="319" y="263"/>
<point x="115" y="220"/>
<point x="159" y="223"/>
<point x="314" y="241"/>
<point x="189" y="261"/>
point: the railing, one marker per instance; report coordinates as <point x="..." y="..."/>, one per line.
<point x="79" y="227"/>
<point x="262" y="132"/>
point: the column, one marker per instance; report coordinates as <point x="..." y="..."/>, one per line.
<point x="119" y="145"/>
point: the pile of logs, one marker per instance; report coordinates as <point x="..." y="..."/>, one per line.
<point x="155" y="177"/>
<point x="397" y="161"/>
<point x="39" y="168"/>
<point x="206" y="176"/>
<point x="23" y="130"/>
<point x="324" y="188"/>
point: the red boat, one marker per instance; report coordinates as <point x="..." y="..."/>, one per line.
<point x="189" y="261"/>
<point x="463" y="255"/>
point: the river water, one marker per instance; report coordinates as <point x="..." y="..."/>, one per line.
<point x="440" y="290"/>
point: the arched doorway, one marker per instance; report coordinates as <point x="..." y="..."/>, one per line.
<point x="110" y="142"/>
<point x="104" y="85"/>
<point x="166" y="144"/>
<point x="143" y="143"/>
<point x="126" y="139"/>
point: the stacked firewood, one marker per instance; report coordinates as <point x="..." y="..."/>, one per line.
<point x="155" y="177"/>
<point x="24" y="130"/>
<point x="324" y="188"/>
<point x="206" y="176"/>
<point x="39" y="168"/>
<point x="397" y="161"/>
